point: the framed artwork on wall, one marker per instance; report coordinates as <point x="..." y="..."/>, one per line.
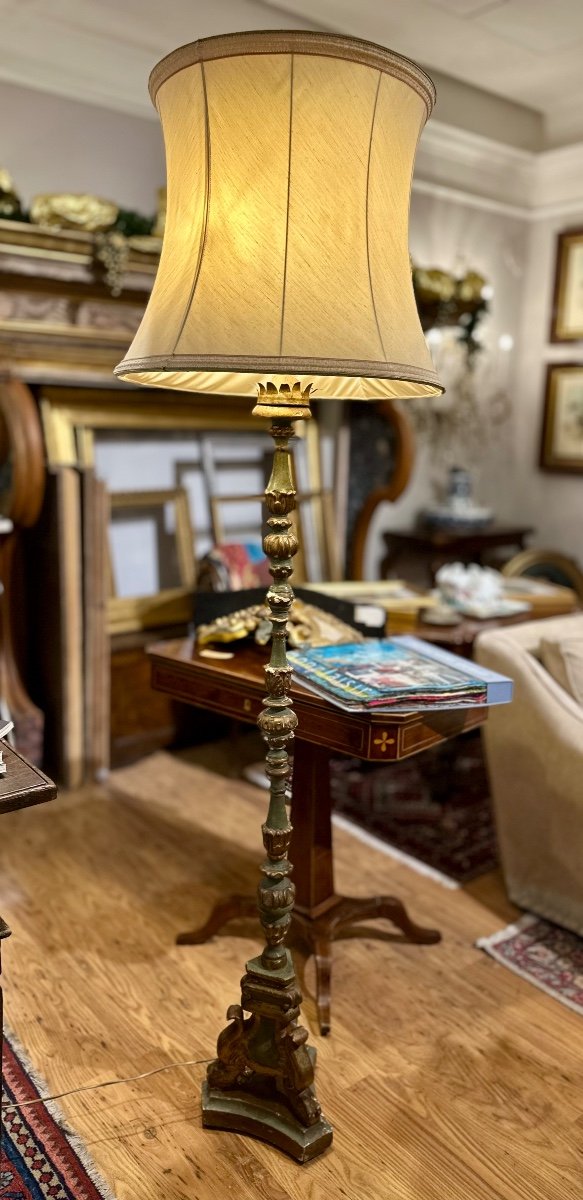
<point x="567" y="315"/>
<point x="562" y="436"/>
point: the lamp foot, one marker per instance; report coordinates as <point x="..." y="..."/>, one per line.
<point x="262" y="1080"/>
<point x="260" y="1111"/>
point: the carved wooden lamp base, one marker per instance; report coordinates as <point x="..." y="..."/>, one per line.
<point x="262" y="1080"/>
<point x="261" y="1083"/>
<point x="266" y="1119"/>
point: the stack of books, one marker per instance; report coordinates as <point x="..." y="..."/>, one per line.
<point x="397" y="675"/>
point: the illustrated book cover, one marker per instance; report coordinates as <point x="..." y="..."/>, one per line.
<point x="397" y="674"/>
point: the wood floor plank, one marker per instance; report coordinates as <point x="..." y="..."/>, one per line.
<point x="446" y="1076"/>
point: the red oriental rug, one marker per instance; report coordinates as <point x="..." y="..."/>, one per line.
<point x="544" y="954"/>
<point x="41" y="1159"/>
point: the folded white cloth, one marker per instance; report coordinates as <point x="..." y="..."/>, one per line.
<point x="461" y="584"/>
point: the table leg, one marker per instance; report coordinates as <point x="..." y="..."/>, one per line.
<point x="320" y="914"/>
<point x="230" y="909"/>
<point x="311" y="844"/>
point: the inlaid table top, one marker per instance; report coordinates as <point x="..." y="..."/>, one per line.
<point x="236" y="687"/>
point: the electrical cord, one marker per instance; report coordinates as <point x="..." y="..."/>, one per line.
<point x="92" y="1087"/>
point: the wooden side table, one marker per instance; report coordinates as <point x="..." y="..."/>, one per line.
<point x="235" y="687"/>
<point x="22" y="786"/>
<point x="419" y="553"/>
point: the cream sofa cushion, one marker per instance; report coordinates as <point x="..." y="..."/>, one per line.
<point x="534" y="749"/>
<point x="563" y="659"/>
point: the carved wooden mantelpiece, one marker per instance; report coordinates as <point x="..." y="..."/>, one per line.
<point x="61" y="334"/>
<point x="58" y="318"/>
<point x="60" y="325"/>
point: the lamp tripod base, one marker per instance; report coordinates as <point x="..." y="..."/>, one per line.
<point x="262" y="1080"/>
<point x="261" y="1111"/>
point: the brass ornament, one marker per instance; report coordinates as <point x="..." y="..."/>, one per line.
<point x="434" y="285"/>
<point x="64" y="210"/>
<point x="307" y="624"/>
<point x="10" y="205"/>
<point x="444" y="299"/>
<point x="290" y="401"/>
<point x="470" y="288"/>
<point x="112" y="253"/>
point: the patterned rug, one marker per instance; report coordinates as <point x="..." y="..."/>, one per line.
<point x="545" y="954"/>
<point x="434" y="806"/>
<point x="41" y="1159"/>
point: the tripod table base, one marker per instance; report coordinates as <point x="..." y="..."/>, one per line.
<point x="319" y="931"/>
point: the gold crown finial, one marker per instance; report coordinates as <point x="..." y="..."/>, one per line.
<point x="283" y="400"/>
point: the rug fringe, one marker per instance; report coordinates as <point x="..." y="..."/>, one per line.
<point x="74" y="1139"/>
<point x="490" y="944"/>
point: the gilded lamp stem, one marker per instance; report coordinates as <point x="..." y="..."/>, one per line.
<point x="262" y="1079"/>
<point x="278" y="720"/>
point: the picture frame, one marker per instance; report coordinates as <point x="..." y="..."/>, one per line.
<point x="567" y="312"/>
<point x="313" y="518"/>
<point x="562" y="431"/>
<point x="168" y="605"/>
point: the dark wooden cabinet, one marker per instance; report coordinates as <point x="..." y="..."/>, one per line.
<point x="417" y="554"/>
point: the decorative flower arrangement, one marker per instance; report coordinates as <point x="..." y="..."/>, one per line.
<point x="459" y="425"/>
<point x="443" y="299"/>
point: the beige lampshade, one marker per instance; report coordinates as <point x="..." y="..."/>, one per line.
<point x="285" y="256"/>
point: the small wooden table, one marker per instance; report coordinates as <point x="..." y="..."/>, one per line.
<point x="235" y="687"/>
<point x="429" y="549"/>
<point x="22" y="786"/>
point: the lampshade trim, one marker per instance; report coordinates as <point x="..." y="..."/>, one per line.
<point x="286" y="41"/>
<point x="283" y="365"/>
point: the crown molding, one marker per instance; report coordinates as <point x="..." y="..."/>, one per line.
<point x="425" y="187"/>
<point x="483" y="173"/>
<point x="560" y="178"/>
<point x="475" y="165"/>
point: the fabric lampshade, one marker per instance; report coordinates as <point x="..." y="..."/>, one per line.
<point x="285" y="255"/>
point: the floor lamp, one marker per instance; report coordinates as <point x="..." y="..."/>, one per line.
<point x="284" y="272"/>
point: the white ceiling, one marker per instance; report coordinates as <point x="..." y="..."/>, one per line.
<point x="529" y="52"/>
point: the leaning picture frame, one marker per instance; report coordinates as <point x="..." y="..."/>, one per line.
<point x="562" y="431"/>
<point x="168" y="604"/>
<point x="567" y="311"/>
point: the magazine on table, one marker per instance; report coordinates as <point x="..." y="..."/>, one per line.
<point x="399" y="674"/>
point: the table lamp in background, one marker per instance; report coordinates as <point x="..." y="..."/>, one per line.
<point x="284" y="273"/>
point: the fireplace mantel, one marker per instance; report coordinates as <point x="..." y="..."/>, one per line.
<point x="59" y="321"/>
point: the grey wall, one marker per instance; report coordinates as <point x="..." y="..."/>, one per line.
<point x="54" y="145"/>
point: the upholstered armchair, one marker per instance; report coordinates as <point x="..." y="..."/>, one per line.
<point x="534" y="752"/>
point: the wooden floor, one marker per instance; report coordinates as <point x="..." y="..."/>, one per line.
<point x="446" y="1077"/>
